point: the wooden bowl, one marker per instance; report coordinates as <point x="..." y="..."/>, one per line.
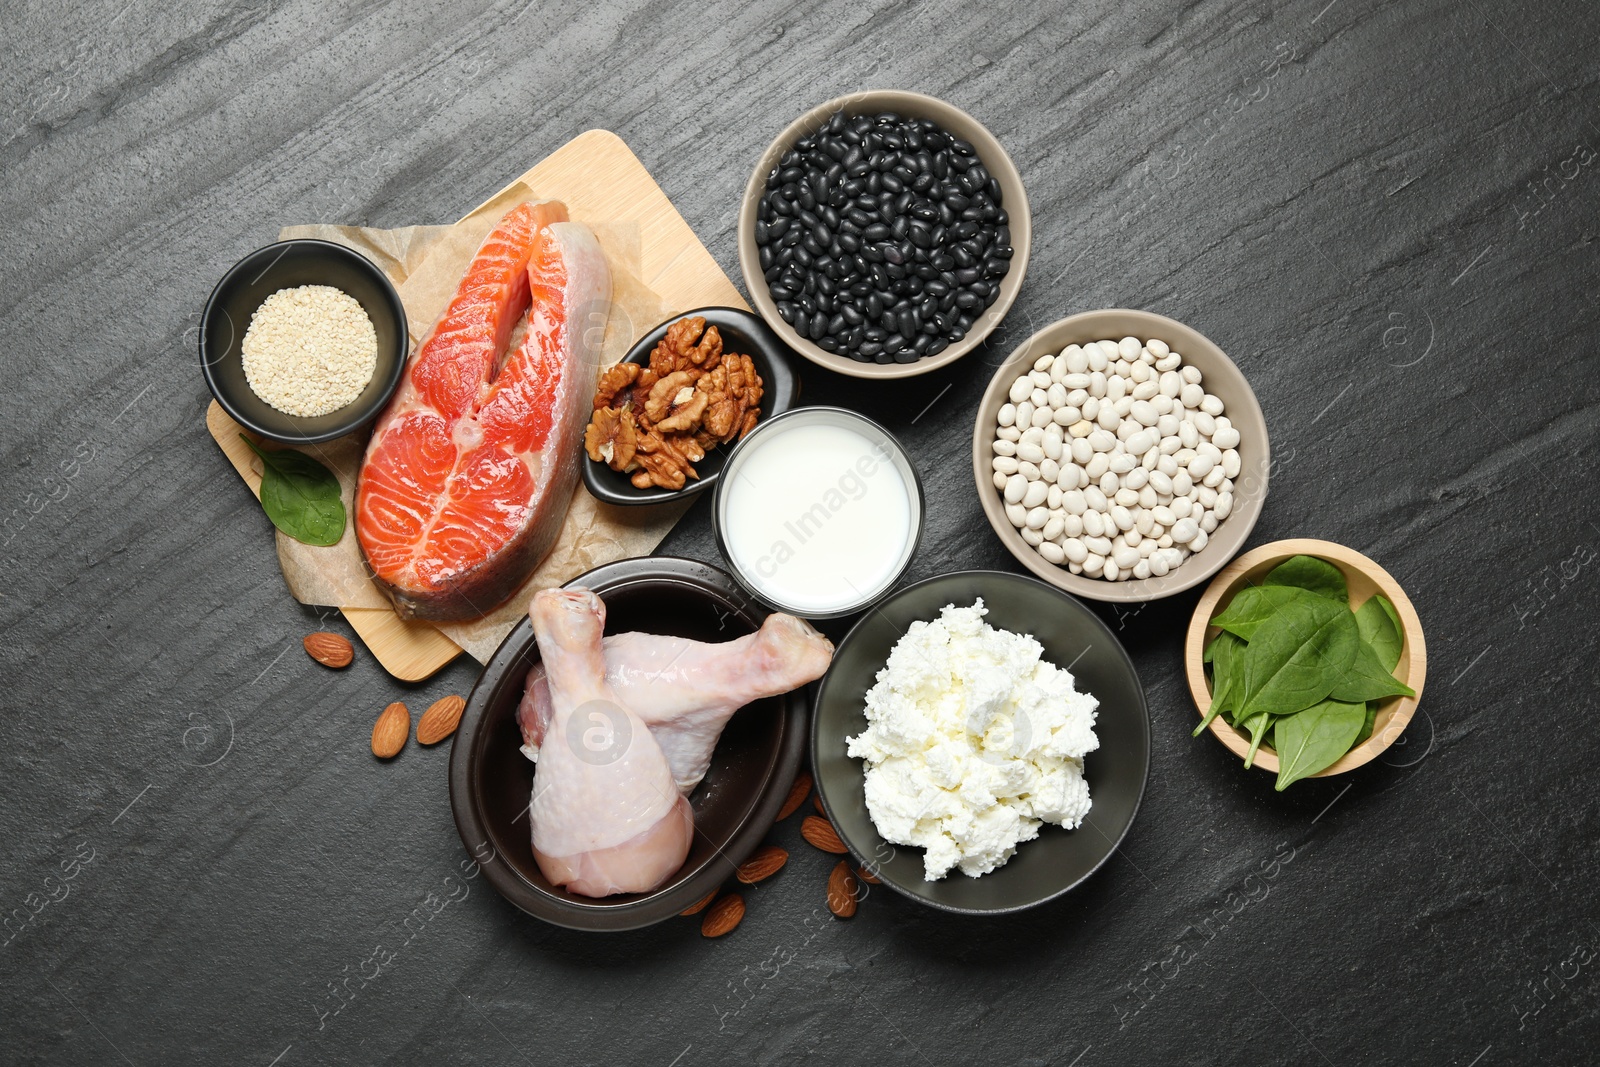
<point x="911" y="105"/>
<point x="1219" y="376"/>
<point x="1364" y="578"/>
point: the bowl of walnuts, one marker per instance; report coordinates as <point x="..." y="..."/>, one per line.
<point x="667" y="414"/>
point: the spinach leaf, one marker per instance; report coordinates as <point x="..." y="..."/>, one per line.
<point x="1254" y="605"/>
<point x="1308" y="572"/>
<point x="1367" y="680"/>
<point x="1366" y="727"/>
<point x="1298" y="656"/>
<point x="1258" y="726"/>
<point x="300" y="496"/>
<point x="1314" y="739"/>
<point x="1225" y="650"/>
<point x="1380" y="628"/>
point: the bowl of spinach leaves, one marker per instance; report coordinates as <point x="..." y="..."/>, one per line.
<point x="1305" y="659"/>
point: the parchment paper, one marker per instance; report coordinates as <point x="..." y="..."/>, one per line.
<point x="426" y="264"/>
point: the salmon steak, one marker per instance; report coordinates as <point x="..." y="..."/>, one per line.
<point x="466" y="482"/>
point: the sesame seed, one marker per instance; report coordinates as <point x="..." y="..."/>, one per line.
<point x="309" y="350"/>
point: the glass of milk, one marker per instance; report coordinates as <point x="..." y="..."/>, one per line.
<point x="818" y="512"/>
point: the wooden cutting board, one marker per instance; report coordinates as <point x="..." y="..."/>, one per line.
<point x="598" y="176"/>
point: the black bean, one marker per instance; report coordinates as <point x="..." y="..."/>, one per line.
<point x="891" y="183"/>
<point x="967" y="300"/>
<point x="801" y="256"/>
<point x="1002" y="218"/>
<point x="848" y="242"/>
<point x="907" y="355"/>
<point x="990" y="296"/>
<point x="869" y="348"/>
<point x="996" y="268"/>
<point x="836" y="325"/>
<point x="818" y="324"/>
<point x="891" y="254"/>
<point x="801" y="322"/>
<point x="939" y="345"/>
<point x="780" y="293"/>
<point x="806" y="198"/>
<point x="894" y="270"/>
<point x="894" y="342"/>
<point x="921" y="344"/>
<point x="765" y="257"/>
<point x="827" y="344"/>
<point x="785" y="310"/>
<point x="777" y="228"/>
<point x="1001" y="251"/>
<point x="967" y="275"/>
<point x="875" y="333"/>
<point x="907" y="322"/>
<point x="825" y="284"/>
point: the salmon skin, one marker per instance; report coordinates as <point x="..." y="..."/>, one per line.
<point x="466" y="481"/>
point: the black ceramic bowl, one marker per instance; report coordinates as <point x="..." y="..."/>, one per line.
<point x="741" y="332"/>
<point x="1072" y="637"/>
<point x="751" y="771"/>
<point x="283" y="266"/>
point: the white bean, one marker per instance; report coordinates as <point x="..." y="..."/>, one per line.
<point x="1231" y="464"/>
<point x="1136" y="478"/>
<point x="1001" y="447"/>
<point x="1037" y="517"/>
<point x="1052" y="499"/>
<point x="1006" y="465"/>
<point x="1017" y="514"/>
<point x="1041" y="417"/>
<point x="1122" y="463"/>
<point x="1032" y="536"/>
<point x="1028" y="470"/>
<point x="1076" y="359"/>
<point x="1226" y="437"/>
<point x="1097" y="384"/>
<point x="1182" y="483"/>
<point x="1095" y="498"/>
<point x="1091" y="408"/>
<point x="1211" y="405"/>
<point x="1203" y="422"/>
<point x="1192" y="395"/>
<point x="1189" y="434"/>
<point x="1224" y="505"/>
<point x="1129" y="498"/>
<point x="1199" y="466"/>
<point x="1030" y="452"/>
<point x="1073" y="501"/>
<point x="1093" y="563"/>
<point x="1100" y="546"/>
<point x="1009" y="433"/>
<point x="1049" y="469"/>
<point x="1056" y="395"/>
<point x="1075" y="550"/>
<point x="1097" y="357"/>
<point x="1215" y="477"/>
<point x="1156" y="347"/>
<point x="1044" y="361"/>
<point x="1052" y="529"/>
<point x="1034" y="494"/>
<point x="1208" y="522"/>
<point x="1024" y="413"/>
<point x="1199" y="542"/>
<point x="1072" y="526"/>
<point x="1158" y="564"/>
<point x="1125" y="557"/>
<point x="1168" y="362"/>
<point x="1008" y="414"/>
<point x="1093" y="523"/>
<point x="1160" y="482"/>
<point x="1116" y="387"/>
<point x="1000" y="480"/>
<point x="1109" y="483"/>
<point x="1185" y="531"/>
<point x="1122" y="517"/>
<point x="1016" y="489"/>
<point x="1020" y="389"/>
<point x="1052" y="551"/>
<point x="1191" y="374"/>
<point x="1102" y="441"/>
<point x="1113" y="573"/>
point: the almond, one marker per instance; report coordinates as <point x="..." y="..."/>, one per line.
<point x="820" y="832"/>
<point x="440" y="720"/>
<point x="700" y="905"/>
<point x="329" y="649"/>
<point x="724" y="915"/>
<point x="868" y="876"/>
<point x="816" y="802"/>
<point x="767" y="861"/>
<point x="797" y="795"/>
<point x="842" y="888"/>
<point x="389" y="733"/>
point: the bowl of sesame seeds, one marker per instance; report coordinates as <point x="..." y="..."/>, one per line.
<point x="303" y="341"/>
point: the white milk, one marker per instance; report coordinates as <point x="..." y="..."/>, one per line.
<point x="817" y="517"/>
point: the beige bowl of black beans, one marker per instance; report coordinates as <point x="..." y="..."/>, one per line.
<point x="884" y="234"/>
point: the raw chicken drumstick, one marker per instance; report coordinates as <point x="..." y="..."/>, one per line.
<point x="607" y="816"/>
<point x="685" y="691"/>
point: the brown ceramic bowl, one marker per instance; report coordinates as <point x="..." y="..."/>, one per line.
<point x="911" y="105"/>
<point x="751" y="771"/>
<point x="1364" y="578"/>
<point x="1218" y="375"/>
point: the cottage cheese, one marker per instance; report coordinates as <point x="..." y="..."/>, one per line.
<point x="972" y="742"/>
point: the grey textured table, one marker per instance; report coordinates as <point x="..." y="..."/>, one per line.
<point x="1385" y="212"/>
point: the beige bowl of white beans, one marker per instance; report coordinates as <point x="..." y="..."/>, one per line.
<point x="1121" y="455"/>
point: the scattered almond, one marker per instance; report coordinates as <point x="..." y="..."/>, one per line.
<point x="440" y="720"/>
<point x="329" y="649"/>
<point x="724" y="915"/>
<point x="820" y="832"/>
<point x="700" y="905"/>
<point x="767" y="861"/>
<point x="797" y="795"/>
<point x="389" y="733"/>
<point x="868" y="877"/>
<point x="842" y="888"/>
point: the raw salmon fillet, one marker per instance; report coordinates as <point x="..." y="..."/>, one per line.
<point x="469" y="473"/>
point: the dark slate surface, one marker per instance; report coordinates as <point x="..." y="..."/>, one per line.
<point x="1385" y="212"/>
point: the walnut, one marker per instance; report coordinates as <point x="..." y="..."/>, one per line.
<point x="612" y="438"/>
<point x="655" y="422"/>
<point x="664" y="462"/>
<point x="734" y="391"/>
<point x="615" y="380"/>
<point x="674" y="405"/>
<point x="688" y="345"/>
